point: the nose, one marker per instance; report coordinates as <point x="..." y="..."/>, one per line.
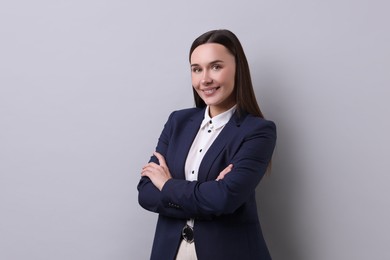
<point x="206" y="80"/>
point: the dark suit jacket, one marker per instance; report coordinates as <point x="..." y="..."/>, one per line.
<point x="226" y="221"/>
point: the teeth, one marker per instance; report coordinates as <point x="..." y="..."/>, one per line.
<point x="210" y="91"/>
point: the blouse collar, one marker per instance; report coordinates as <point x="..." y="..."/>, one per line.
<point x="219" y="120"/>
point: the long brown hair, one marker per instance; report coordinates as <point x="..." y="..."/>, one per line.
<point x="243" y="88"/>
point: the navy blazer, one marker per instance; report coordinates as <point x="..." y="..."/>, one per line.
<point x="226" y="221"/>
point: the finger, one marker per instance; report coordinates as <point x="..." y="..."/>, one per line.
<point x="220" y="177"/>
<point x="224" y="172"/>
<point x="145" y="172"/>
<point x="149" y="167"/>
<point x="227" y="169"/>
<point x="152" y="172"/>
<point x="161" y="159"/>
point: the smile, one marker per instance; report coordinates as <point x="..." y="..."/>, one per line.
<point x="210" y="91"/>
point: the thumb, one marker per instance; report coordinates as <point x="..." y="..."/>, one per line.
<point x="160" y="158"/>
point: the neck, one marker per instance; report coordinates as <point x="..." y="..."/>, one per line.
<point x="214" y="111"/>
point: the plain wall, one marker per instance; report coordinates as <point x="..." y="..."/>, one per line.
<point x="86" y="86"/>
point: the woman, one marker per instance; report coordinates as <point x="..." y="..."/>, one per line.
<point x="209" y="160"/>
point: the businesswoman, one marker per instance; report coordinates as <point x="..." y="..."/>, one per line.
<point x="209" y="159"/>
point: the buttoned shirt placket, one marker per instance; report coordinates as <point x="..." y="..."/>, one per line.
<point x="208" y="132"/>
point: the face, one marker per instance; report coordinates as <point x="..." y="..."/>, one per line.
<point x="213" y="70"/>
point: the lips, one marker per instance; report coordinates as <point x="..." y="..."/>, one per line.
<point x="210" y="91"/>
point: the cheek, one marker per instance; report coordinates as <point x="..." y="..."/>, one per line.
<point x="227" y="78"/>
<point x="195" y="81"/>
<point x="232" y="77"/>
<point x="232" y="80"/>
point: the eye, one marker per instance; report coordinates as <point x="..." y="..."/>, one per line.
<point x="216" y="67"/>
<point x="196" y="69"/>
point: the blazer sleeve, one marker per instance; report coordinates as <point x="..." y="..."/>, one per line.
<point x="149" y="197"/>
<point x="215" y="198"/>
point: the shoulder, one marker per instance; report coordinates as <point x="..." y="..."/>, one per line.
<point x="185" y="114"/>
<point x="255" y="125"/>
<point x="257" y="121"/>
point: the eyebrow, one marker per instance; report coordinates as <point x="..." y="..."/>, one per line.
<point x="213" y="62"/>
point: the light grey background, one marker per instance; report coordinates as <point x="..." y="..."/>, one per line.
<point x="86" y="86"/>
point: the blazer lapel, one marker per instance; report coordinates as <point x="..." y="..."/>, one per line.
<point x="226" y="136"/>
<point x="189" y="132"/>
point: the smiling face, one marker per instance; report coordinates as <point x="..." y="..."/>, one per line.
<point x="213" y="70"/>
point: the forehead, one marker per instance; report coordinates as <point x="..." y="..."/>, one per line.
<point x="210" y="52"/>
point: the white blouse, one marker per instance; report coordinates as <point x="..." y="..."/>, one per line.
<point x="208" y="132"/>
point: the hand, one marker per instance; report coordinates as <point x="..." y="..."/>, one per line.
<point x="158" y="174"/>
<point x="224" y="172"/>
